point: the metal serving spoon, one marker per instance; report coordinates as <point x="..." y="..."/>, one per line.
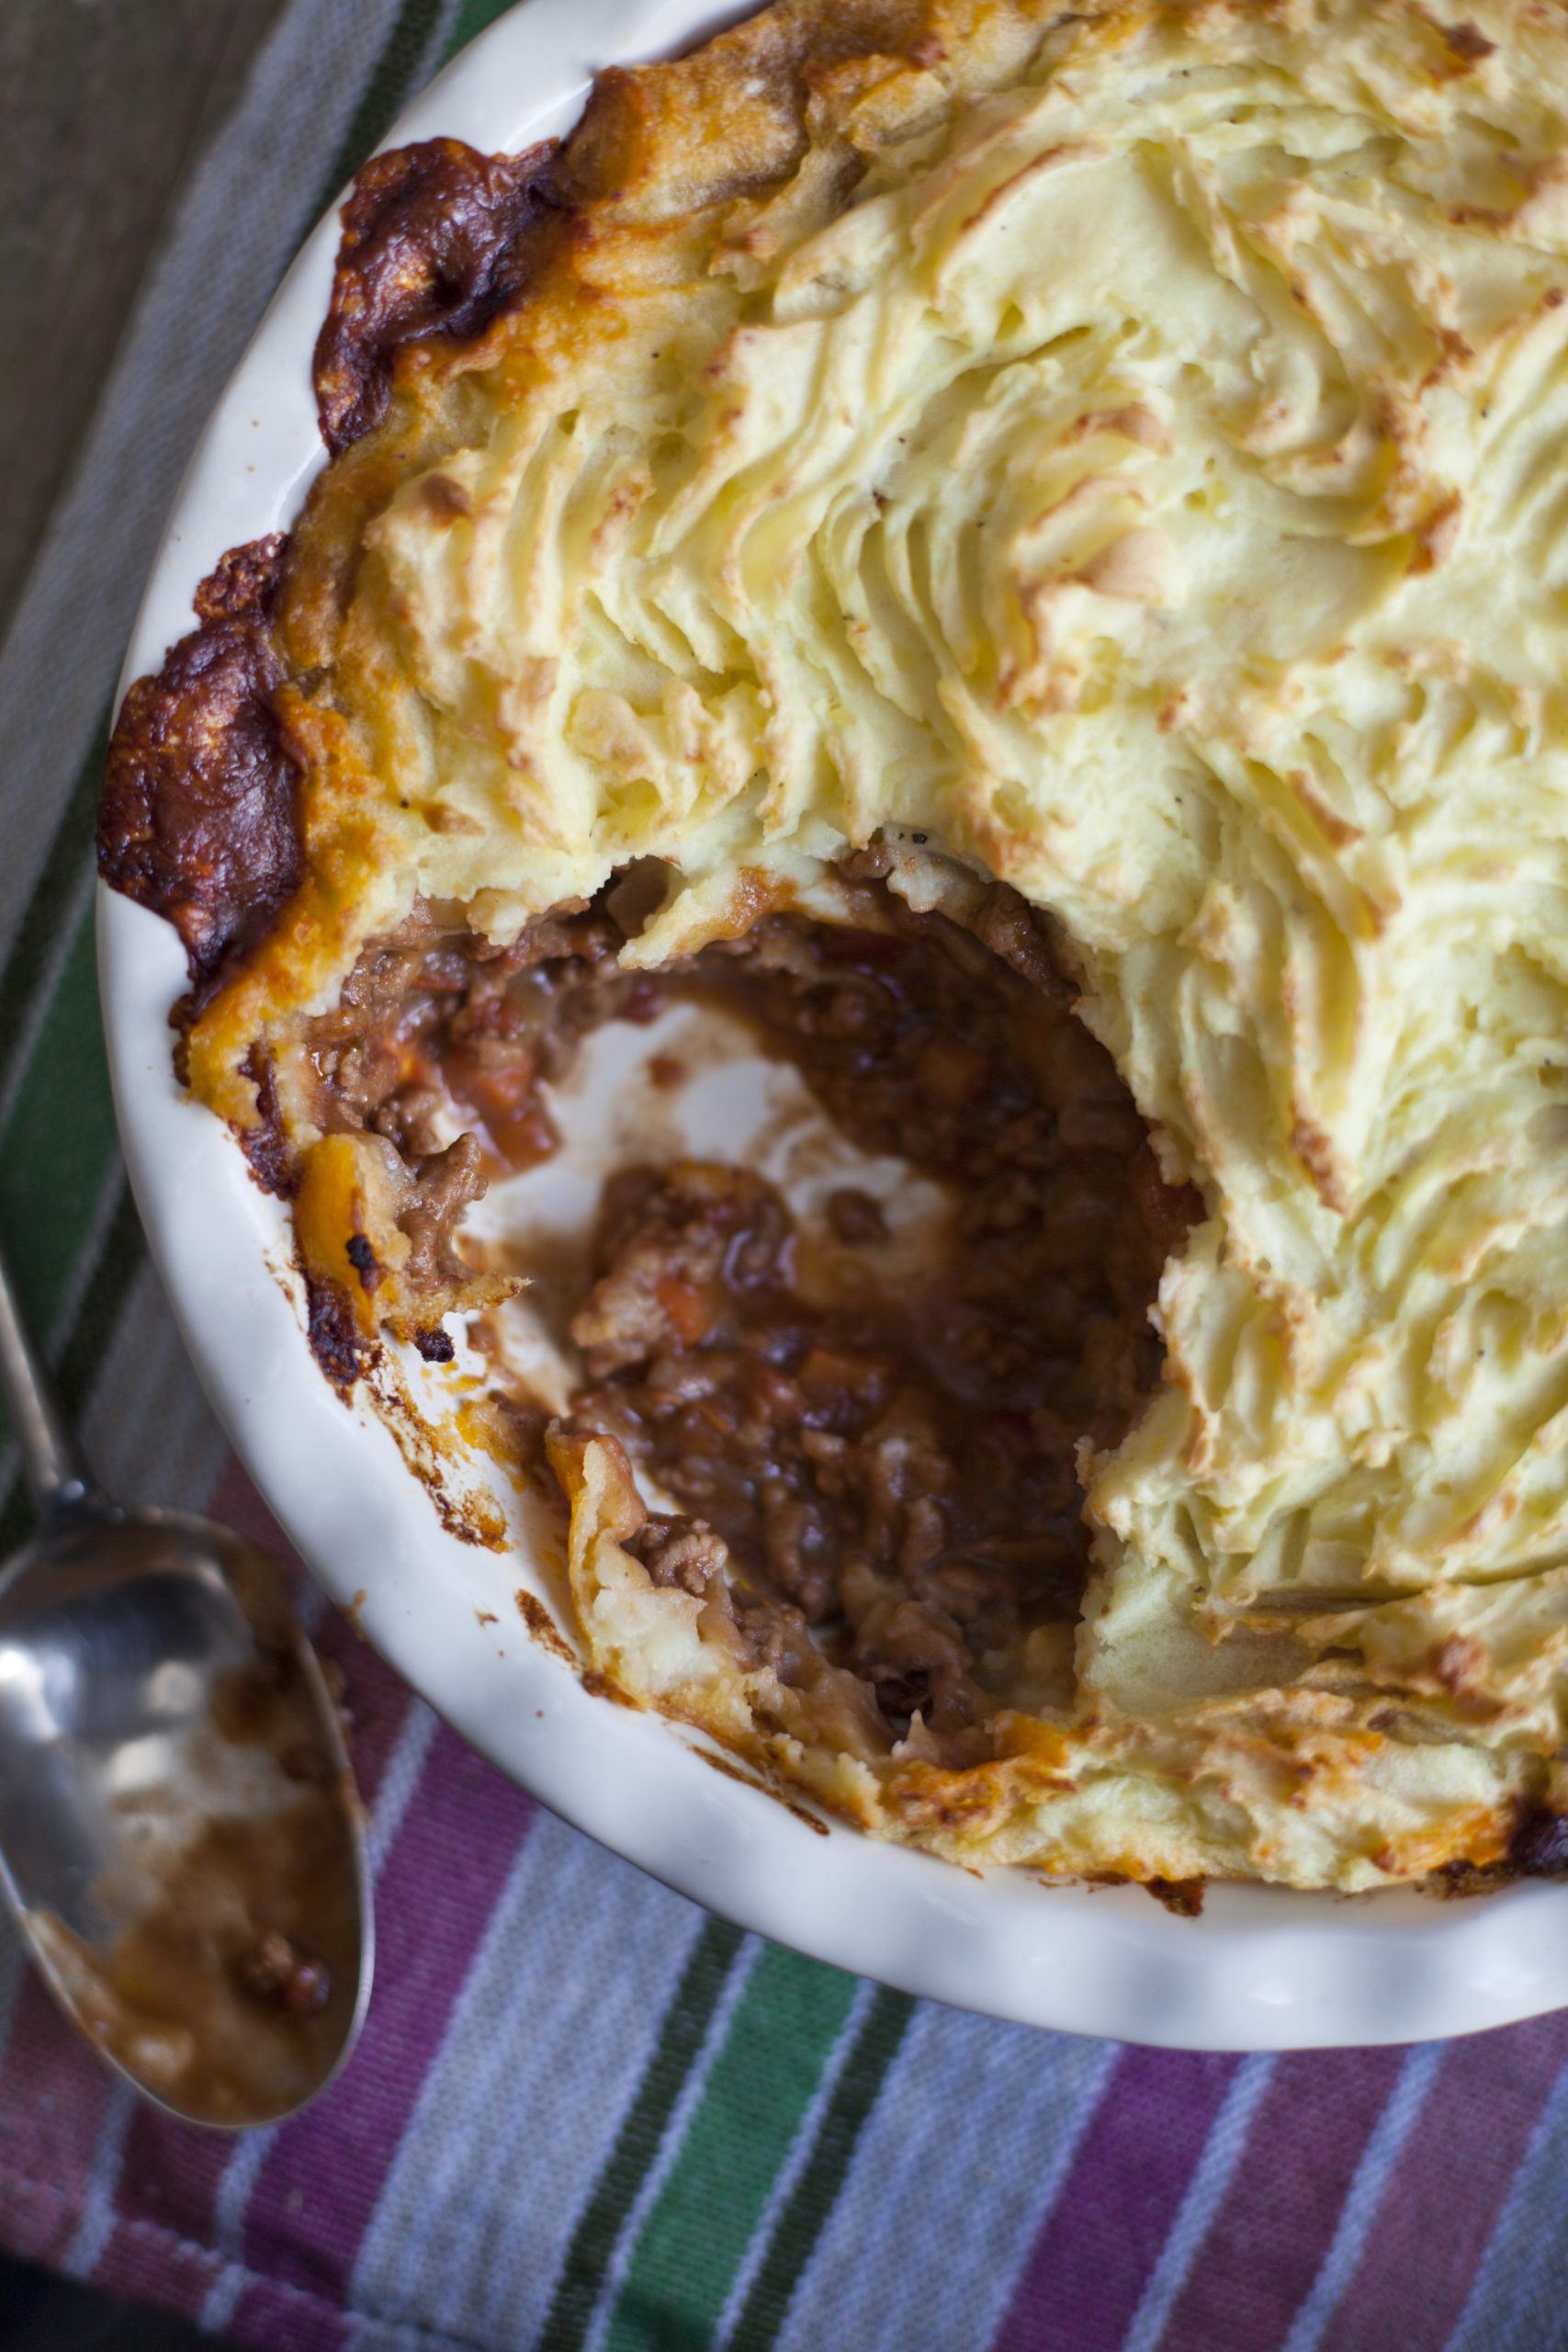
<point x="179" y="1830"/>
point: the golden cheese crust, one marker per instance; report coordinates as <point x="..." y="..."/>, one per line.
<point x="1123" y="448"/>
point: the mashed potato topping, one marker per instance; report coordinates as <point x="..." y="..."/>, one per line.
<point x="1120" y="452"/>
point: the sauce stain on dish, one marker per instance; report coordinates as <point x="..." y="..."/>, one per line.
<point x="542" y="1626"/>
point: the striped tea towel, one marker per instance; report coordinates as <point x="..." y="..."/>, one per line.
<point x="582" y="2113"/>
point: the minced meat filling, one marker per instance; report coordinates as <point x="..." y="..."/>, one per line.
<point x="889" y="1464"/>
<point x="433" y="1021"/>
<point x="895" y="1462"/>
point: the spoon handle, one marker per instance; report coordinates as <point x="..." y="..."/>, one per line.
<point x="56" y="1471"/>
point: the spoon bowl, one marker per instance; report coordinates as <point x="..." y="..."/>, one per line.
<point x="180" y="1836"/>
<point x="178" y="1829"/>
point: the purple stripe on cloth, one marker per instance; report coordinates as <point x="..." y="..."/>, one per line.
<point x="37" y="2222"/>
<point x="1421" y="2257"/>
<point x="1099" y="2242"/>
<point x="168" y="2181"/>
<point x="277" y="2318"/>
<point x="1263" y="2250"/>
<point x="169" y="2174"/>
<point x="156" y="2265"/>
<point x="56" y="2095"/>
<point x="324" y="2173"/>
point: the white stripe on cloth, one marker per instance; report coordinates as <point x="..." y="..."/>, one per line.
<point x="1205" y="2192"/>
<point x="234" y="227"/>
<point x="96" y="2221"/>
<point x="1519" y="2300"/>
<point x="1363" y="2196"/>
<point x="793" y="2164"/>
<point x="148" y="1428"/>
<point x="670" y="2145"/>
<point x="960" y="2160"/>
<point x="399" y="1782"/>
<point x="576" y="1970"/>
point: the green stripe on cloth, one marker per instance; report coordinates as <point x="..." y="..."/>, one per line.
<point x="758" y="2090"/>
<point x="799" y="2225"/>
<point x="681" y="2037"/>
<point x="473" y="17"/>
<point x="59" y="1142"/>
<point x="384" y="94"/>
<point x="69" y="853"/>
<point x="120" y="1259"/>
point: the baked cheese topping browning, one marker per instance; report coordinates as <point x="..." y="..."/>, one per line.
<point x="1123" y="450"/>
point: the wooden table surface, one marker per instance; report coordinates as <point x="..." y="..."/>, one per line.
<point x="103" y="105"/>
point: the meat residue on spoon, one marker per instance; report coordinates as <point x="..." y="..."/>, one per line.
<point x="230" y="1993"/>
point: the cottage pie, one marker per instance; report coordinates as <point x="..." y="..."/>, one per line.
<point x="1023" y="553"/>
